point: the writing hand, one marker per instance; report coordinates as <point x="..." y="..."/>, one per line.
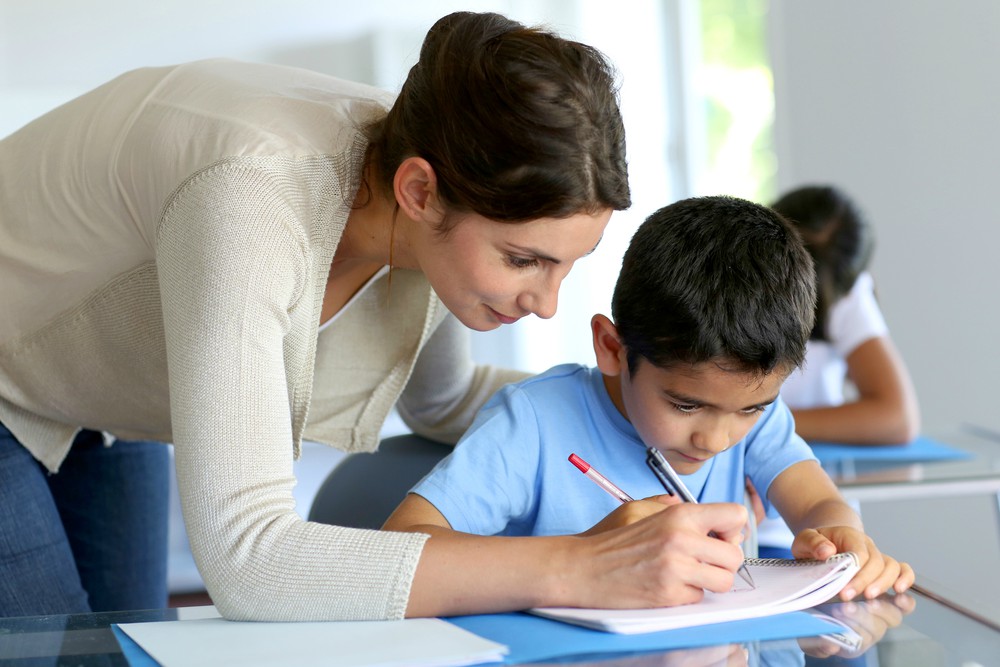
<point x="664" y="559"/>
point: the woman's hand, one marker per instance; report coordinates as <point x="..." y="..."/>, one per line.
<point x="663" y="559"/>
<point x="629" y="513"/>
<point x="660" y="555"/>
<point x="879" y="572"/>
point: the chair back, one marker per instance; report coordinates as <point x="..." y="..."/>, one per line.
<point x="364" y="488"/>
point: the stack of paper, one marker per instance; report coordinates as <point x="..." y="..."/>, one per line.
<point x="781" y="586"/>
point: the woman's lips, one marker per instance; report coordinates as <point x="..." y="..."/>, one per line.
<point x="503" y="319"/>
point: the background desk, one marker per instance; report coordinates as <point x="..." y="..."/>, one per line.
<point x="933" y="635"/>
<point x="943" y="517"/>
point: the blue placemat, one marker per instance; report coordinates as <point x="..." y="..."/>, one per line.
<point x="532" y="638"/>
<point x="133" y="652"/>
<point x="921" y="449"/>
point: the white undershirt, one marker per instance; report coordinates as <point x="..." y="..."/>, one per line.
<point x="378" y="274"/>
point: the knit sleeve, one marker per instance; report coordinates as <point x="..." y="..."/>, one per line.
<point x="447" y="388"/>
<point x="232" y="261"/>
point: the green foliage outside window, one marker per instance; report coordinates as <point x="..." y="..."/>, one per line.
<point x="737" y="89"/>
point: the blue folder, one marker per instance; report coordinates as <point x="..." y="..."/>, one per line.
<point x="921" y="449"/>
<point x="531" y="638"/>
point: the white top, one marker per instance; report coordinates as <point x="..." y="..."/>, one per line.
<point x="853" y="320"/>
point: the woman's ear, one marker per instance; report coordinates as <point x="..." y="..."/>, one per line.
<point x="415" y="187"/>
<point x="607" y="345"/>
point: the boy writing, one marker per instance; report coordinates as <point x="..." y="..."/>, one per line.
<point x="712" y="311"/>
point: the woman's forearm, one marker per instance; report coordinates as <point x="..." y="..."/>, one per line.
<point x="662" y="560"/>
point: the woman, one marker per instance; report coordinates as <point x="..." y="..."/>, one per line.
<point x="234" y="257"/>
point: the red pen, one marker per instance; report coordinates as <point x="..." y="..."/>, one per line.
<point x="600" y="479"/>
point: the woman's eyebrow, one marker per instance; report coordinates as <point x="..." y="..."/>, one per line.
<point x="548" y="258"/>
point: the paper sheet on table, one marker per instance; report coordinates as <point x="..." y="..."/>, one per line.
<point x="209" y="642"/>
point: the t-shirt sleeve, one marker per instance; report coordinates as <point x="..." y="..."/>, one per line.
<point x="857" y="317"/>
<point x="489" y="480"/>
<point x="772" y="447"/>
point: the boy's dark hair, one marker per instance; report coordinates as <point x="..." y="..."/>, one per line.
<point x="837" y="236"/>
<point x="715" y="279"/>
<point x="517" y="122"/>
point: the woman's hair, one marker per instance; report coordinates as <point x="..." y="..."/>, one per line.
<point x="517" y="122"/>
<point x="837" y="236"/>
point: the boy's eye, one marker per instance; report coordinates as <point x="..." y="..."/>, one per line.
<point x="686" y="408"/>
<point x="755" y="410"/>
<point x="521" y="262"/>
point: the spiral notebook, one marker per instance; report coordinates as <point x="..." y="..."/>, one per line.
<point x="781" y="586"/>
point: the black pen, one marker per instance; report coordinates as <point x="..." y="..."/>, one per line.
<point x="675" y="487"/>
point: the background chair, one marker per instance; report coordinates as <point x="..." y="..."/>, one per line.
<point x="364" y="488"/>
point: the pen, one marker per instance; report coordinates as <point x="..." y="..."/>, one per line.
<point x="674" y="486"/>
<point x="600" y="479"/>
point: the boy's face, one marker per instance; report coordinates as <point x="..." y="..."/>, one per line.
<point x="692" y="413"/>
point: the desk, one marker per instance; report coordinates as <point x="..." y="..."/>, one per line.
<point x="932" y="635"/>
<point x="942" y="517"/>
<point x="864" y="480"/>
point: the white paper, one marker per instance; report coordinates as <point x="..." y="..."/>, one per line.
<point x="782" y="586"/>
<point x="209" y="642"/>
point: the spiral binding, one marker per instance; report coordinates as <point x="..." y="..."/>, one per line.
<point x="786" y="562"/>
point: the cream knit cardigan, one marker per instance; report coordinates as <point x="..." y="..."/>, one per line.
<point x="164" y="247"/>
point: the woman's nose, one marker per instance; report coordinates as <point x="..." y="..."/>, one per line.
<point x="542" y="301"/>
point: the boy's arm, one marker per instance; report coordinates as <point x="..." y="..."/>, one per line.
<point x="886" y="409"/>
<point x="824" y="524"/>
<point x="413" y="513"/>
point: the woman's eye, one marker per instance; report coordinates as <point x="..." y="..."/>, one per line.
<point x="521" y="262"/>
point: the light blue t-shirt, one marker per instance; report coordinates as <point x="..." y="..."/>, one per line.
<point x="510" y="473"/>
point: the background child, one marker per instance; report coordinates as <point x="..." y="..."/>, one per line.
<point x="849" y="343"/>
<point x="712" y="311"/>
<point x="850" y="340"/>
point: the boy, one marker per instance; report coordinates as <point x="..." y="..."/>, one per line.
<point x="712" y="311"/>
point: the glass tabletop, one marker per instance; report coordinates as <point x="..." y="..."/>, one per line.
<point x="865" y="478"/>
<point x="906" y="631"/>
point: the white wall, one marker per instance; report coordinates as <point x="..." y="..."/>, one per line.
<point x="897" y="101"/>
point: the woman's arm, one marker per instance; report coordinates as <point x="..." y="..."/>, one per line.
<point x="664" y="559"/>
<point x="824" y="525"/>
<point x="886" y="411"/>
<point x="447" y="388"/>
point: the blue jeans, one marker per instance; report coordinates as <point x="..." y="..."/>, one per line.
<point x="92" y="537"/>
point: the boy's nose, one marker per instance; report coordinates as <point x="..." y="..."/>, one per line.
<point x="714" y="440"/>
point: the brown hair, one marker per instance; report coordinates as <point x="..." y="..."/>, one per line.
<point x="839" y="238"/>
<point x="517" y="122"/>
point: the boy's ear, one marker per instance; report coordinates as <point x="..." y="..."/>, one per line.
<point x="607" y="345"/>
<point x="415" y="187"/>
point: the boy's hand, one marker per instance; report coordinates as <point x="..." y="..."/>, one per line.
<point x="879" y="572"/>
<point x="634" y="511"/>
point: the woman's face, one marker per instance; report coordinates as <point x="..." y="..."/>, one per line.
<point x="490" y="273"/>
